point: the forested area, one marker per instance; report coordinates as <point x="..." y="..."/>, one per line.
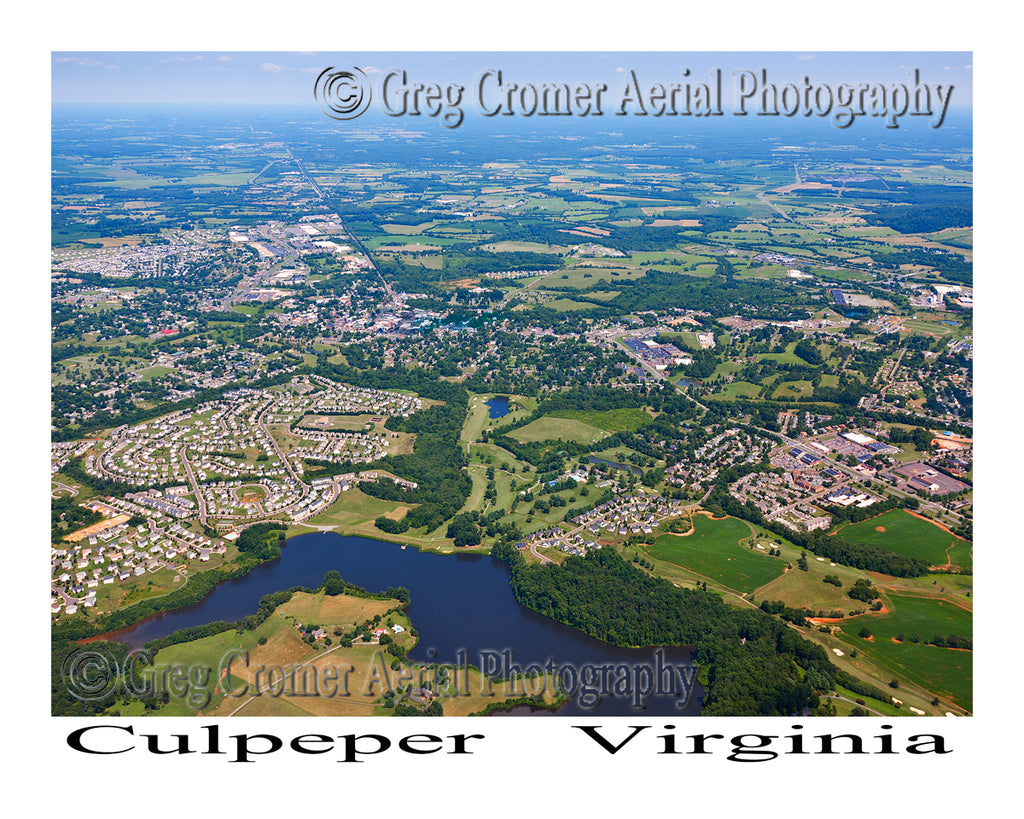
<point x="750" y="663"/>
<point x="436" y="460"/>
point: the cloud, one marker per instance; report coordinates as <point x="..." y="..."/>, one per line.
<point x="621" y="70"/>
<point x="86" y="62"/>
<point x="273" y="67"/>
<point x="969" y="66"/>
<point x="224" y="58"/>
<point x="181" y="58"/>
<point x="371" y="69"/>
<point x="806" y="57"/>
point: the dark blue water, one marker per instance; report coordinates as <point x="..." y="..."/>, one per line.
<point x="458" y="603"/>
<point x="498" y="406"/>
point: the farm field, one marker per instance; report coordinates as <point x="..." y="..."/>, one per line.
<point x="334" y="609"/>
<point x="276" y="643"/>
<point x="713" y="550"/>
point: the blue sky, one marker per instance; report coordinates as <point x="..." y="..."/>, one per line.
<point x="273" y="77"/>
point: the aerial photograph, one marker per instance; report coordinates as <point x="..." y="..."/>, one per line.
<point x="516" y="383"/>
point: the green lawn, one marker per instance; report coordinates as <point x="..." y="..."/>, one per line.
<point x="713" y="550"/>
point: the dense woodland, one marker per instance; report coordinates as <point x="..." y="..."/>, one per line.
<point x="750" y="663"/>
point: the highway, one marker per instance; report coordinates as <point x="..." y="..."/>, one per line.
<point x="355" y="240"/>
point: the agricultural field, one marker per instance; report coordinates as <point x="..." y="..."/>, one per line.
<point x="336" y="609"/>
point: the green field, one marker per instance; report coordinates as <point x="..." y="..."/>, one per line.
<point x="355" y="510"/>
<point x="617" y="420"/>
<point x="713" y="550"/>
<point x="901" y="532"/>
<point x="801" y="589"/>
<point x="589" y="273"/>
<point x="565" y="305"/>
<point x="739" y="389"/>
<point x="787" y="357"/>
<point x="150" y="373"/>
<point x="945" y="671"/>
<point x="549" y="428"/>
<point x="793" y="389"/>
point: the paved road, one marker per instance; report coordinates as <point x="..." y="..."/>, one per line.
<point x="58" y="486"/>
<point x="194" y="483"/>
<point x="542" y="558"/>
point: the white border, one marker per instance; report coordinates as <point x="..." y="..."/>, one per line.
<point x="539" y="764"/>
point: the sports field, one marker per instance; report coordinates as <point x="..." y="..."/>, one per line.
<point x="713" y="550"/>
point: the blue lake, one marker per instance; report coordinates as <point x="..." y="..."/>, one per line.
<point x="459" y="603"/>
<point x="498" y="406"/>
